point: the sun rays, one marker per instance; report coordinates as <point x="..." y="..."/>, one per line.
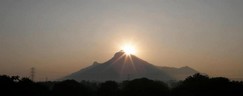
<point x="129" y="49"/>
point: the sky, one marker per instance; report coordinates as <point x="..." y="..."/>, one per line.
<point x="59" y="37"/>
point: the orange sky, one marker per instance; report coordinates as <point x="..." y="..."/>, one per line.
<point x="59" y="37"/>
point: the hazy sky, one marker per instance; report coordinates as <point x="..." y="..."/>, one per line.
<point x="59" y="37"/>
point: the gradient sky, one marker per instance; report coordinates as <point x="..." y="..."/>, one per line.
<point x="59" y="37"/>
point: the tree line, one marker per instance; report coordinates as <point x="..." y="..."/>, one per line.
<point x="196" y="85"/>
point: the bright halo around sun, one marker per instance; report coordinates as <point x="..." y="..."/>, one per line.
<point x="129" y="49"/>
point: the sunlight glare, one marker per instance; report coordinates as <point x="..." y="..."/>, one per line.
<point x="129" y="49"/>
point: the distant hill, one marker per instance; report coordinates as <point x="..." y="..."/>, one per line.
<point x="123" y="67"/>
<point x="179" y="73"/>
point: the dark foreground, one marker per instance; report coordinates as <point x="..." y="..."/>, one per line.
<point x="196" y="85"/>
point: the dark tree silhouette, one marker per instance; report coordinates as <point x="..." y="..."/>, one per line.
<point x="13" y="86"/>
<point x="27" y="87"/>
<point x="7" y="85"/>
<point x="202" y="85"/>
<point x="108" y="88"/>
<point x="144" y="87"/>
<point x="196" y="85"/>
<point x="69" y="88"/>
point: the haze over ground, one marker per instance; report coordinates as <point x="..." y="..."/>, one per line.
<point x="58" y="37"/>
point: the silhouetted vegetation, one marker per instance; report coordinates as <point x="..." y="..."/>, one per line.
<point x="70" y="88"/>
<point x="109" y="88"/>
<point x="144" y="87"/>
<point x="201" y="85"/>
<point x="196" y="85"/>
<point x="14" y="86"/>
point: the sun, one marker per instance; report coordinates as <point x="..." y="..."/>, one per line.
<point x="129" y="49"/>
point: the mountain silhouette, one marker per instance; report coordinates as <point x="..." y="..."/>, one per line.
<point x="124" y="67"/>
<point x="179" y="73"/>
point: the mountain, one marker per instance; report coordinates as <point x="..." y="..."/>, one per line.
<point x="123" y="67"/>
<point x="179" y="73"/>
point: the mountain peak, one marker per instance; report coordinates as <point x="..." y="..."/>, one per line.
<point x="121" y="67"/>
<point x="120" y="53"/>
<point x="95" y="63"/>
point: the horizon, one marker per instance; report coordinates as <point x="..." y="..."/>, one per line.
<point x="59" y="37"/>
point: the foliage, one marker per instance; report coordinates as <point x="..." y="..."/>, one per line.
<point x="196" y="85"/>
